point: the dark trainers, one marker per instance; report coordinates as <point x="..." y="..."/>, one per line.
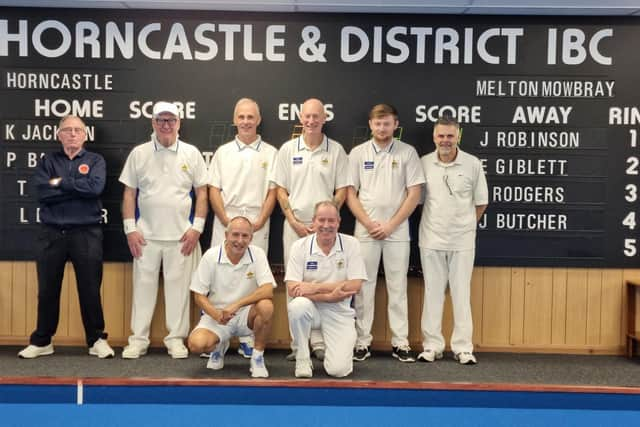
<point x="361" y="353"/>
<point x="403" y="354"/>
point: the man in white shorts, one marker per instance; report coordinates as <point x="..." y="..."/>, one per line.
<point x="456" y="197"/>
<point x="324" y="271"/>
<point x="159" y="177"/>
<point x="239" y="184"/>
<point x="309" y="168"/>
<point x="388" y="178"/>
<point x="233" y="286"/>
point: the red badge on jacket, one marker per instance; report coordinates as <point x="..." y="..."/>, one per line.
<point x="83" y="169"/>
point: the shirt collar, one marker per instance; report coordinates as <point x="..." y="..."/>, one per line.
<point x="159" y="147"/>
<point x="387" y="149"/>
<point x="254" y="145"/>
<point x="247" y="258"/>
<point x="314" y="248"/>
<point x="324" y="145"/>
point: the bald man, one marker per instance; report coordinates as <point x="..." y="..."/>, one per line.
<point x="310" y="168"/>
<point x="239" y="184"/>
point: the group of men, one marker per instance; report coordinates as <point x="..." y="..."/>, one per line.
<point x="166" y="184"/>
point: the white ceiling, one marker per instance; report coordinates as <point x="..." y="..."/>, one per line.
<point x="470" y="7"/>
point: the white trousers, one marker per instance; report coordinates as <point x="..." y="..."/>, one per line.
<point x="440" y="268"/>
<point x="395" y="256"/>
<point x="289" y="236"/>
<point x="337" y="328"/>
<point x="260" y="237"/>
<point x="177" y="270"/>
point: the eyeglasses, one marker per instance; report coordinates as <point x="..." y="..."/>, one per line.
<point x="72" y="129"/>
<point x="171" y="122"/>
<point x="445" y="178"/>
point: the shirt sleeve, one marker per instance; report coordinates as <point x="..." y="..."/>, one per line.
<point x="343" y="176"/>
<point x="354" y="167"/>
<point x="481" y="191"/>
<point x="355" y="263"/>
<point x="128" y="176"/>
<point x="294" y="271"/>
<point x="281" y="169"/>
<point x="263" y="271"/>
<point x="201" y="279"/>
<point x="414" y="172"/>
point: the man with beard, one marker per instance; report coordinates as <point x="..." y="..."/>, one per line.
<point x="387" y="178"/>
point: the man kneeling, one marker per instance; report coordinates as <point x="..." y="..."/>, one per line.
<point x="324" y="271"/>
<point x="233" y="286"/>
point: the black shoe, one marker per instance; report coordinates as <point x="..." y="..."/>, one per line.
<point x="361" y="353"/>
<point x="318" y="353"/>
<point x="403" y="354"/>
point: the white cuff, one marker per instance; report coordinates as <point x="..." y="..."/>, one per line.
<point x="198" y="224"/>
<point x="129" y="225"/>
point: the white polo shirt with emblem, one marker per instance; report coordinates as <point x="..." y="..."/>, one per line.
<point x="225" y="282"/>
<point x="164" y="178"/>
<point x="453" y="190"/>
<point x="311" y="176"/>
<point x="242" y="172"/>
<point x="308" y="263"/>
<point x="381" y="177"/>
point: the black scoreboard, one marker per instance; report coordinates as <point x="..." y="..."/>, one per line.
<point x="550" y="105"/>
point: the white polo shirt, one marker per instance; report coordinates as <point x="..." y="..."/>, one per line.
<point x="453" y="190"/>
<point x="242" y="172"/>
<point x="381" y="177"/>
<point x="164" y="178"/>
<point x="225" y="282"/>
<point x="311" y="176"/>
<point x="309" y="264"/>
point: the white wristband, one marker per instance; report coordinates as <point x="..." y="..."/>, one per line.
<point x="129" y="225"/>
<point x="198" y="224"/>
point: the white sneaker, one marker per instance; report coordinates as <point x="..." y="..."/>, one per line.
<point x="32" y="351"/>
<point x="216" y="360"/>
<point x="291" y="357"/>
<point x="177" y="350"/>
<point x="465" y="358"/>
<point x="134" y="351"/>
<point x="205" y="355"/>
<point x="429" y="356"/>
<point x="304" y="369"/>
<point x="258" y="368"/>
<point x="102" y="349"/>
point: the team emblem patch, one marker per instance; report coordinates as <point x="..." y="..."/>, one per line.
<point x="250" y="275"/>
<point x="394" y="164"/>
<point x="297" y="160"/>
<point x="264" y="165"/>
<point x="184" y="167"/>
<point x="340" y="264"/>
<point x="312" y="265"/>
<point x="324" y="161"/>
<point x="368" y="165"/>
<point x="83" y="169"/>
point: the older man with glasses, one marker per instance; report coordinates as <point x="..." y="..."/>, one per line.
<point x="69" y="183"/>
<point x="159" y="177"/>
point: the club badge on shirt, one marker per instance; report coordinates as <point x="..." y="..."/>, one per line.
<point x="340" y="264"/>
<point x="184" y="167"/>
<point x="250" y="275"/>
<point x="264" y="165"/>
<point x="312" y="265"/>
<point x="324" y="161"/>
<point x="394" y="164"/>
<point x="83" y="168"/>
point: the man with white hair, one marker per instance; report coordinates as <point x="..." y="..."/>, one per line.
<point x="159" y="177"/>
